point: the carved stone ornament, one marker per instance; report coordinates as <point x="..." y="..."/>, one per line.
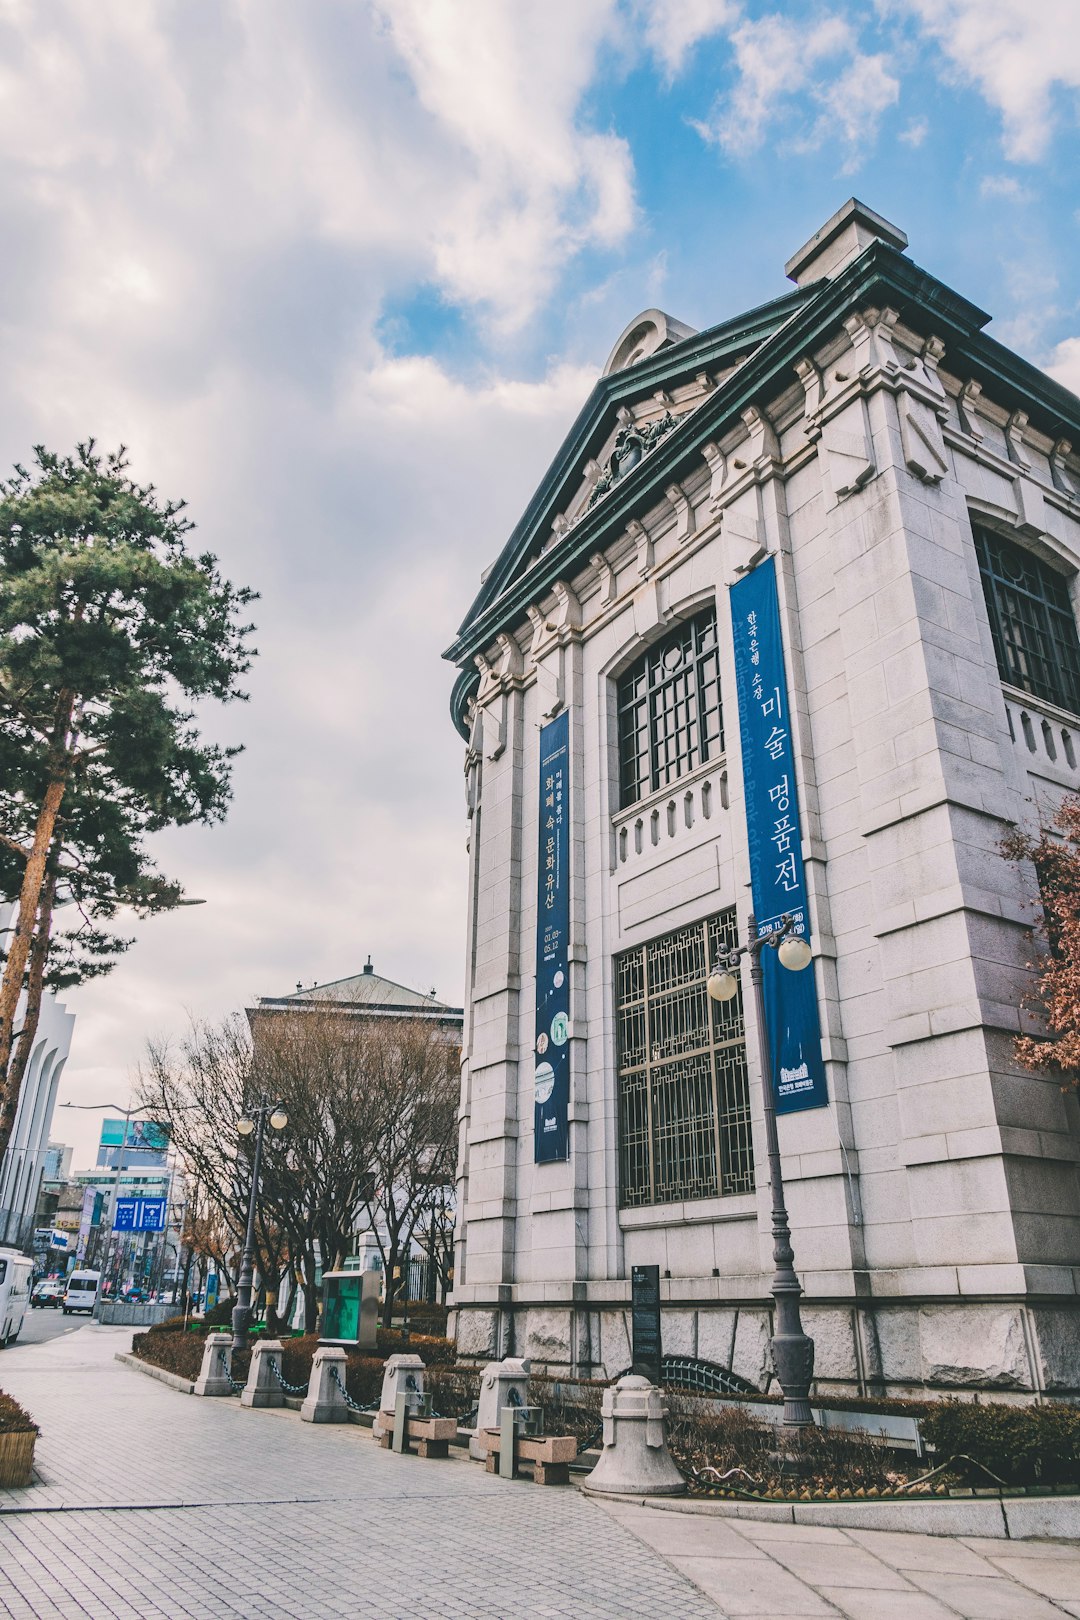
<point x="632" y="445"/>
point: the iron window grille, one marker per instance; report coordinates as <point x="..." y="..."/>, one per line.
<point x="670" y="717"/>
<point x="1031" y="621"/>
<point x="683" y="1091"/>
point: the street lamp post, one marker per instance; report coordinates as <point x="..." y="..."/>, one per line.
<point x="792" y="1349"/>
<point x="241" y="1316"/>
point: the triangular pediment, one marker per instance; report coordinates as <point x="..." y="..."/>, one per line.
<point x="659" y="372"/>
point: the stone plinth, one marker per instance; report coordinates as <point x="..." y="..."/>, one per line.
<point x="502" y="1383"/>
<point x="212" y="1379"/>
<point x="262" y="1387"/>
<point x="403" y="1375"/>
<point x="325" y="1400"/>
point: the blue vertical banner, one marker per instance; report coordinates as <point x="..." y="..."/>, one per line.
<point x="774" y="836"/>
<point x="551" y="1109"/>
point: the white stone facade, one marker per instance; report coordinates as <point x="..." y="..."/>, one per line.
<point x="853" y="430"/>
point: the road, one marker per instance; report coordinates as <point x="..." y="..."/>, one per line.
<point x="46" y="1323"/>
<point x="154" y="1506"/>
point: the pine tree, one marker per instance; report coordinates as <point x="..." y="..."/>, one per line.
<point x="109" y="629"/>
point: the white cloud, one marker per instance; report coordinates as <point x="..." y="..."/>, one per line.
<point x="811" y="73"/>
<point x="1003" y="188"/>
<point x="535" y="185"/>
<point x="1064" y="364"/>
<point x="673" y="27"/>
<point x="1021" y="56"/>
<point x="855" y="101"/>
<point x="915" y="133"/>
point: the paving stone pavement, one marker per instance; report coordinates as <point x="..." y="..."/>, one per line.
<point x="152" y="1504"/>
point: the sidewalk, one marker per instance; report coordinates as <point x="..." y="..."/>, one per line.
<point x="154" y="1504"/>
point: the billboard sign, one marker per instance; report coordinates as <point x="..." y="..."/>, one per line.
<point x="131" y="1143"/>
<point x="774" y="836"/>
<point x="91" y="1215"/>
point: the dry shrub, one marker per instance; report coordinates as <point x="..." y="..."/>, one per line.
<point x="569" y="1406"/>
<point x="454" y="1390"/>
<point x="735" y="1442"/>
<point x="182" y="1353"/>
<point x="15" y="1419"/>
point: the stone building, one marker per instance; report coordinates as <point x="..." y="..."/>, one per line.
<point x="911" y="485"/>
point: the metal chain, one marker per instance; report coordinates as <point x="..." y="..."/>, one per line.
<point x="349" y="1402"/>
<point x="290" y="1389"/>
<point x="236" y="1388"/>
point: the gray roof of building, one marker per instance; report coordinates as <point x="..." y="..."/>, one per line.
<point x="366" y="989"/>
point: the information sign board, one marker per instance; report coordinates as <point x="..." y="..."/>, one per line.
<point x="645" y="1321"/>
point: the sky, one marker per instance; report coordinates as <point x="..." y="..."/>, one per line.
<point x="341" y="275"/>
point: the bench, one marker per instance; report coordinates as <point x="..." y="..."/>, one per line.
<point x="432" y="1435"/>
<point x="549" y="1455"/>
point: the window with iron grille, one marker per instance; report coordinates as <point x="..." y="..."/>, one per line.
<point x="1031" y="621"/>
<point x="684" y="1102"/>
<point x="670" y="718"/>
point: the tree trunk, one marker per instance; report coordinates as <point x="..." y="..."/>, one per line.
<point x="390" y="1291"/>
<point x="29" y="904"/>
<point x="311" y="1297"/>
<point x="39" y="952"/>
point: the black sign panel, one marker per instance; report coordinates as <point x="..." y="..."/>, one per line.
<point x="645" y="1320"/>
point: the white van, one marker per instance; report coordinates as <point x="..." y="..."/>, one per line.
<point x="16" y="1274"/>
<point x="81" y="1292"/>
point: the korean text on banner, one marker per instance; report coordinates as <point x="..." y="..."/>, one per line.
<point x="551" y="1129"/>
<point x="774" y="836"/>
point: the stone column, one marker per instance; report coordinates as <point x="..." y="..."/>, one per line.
<point x="403" y="1375"/>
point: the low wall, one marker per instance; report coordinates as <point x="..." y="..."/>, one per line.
<point x="124" y="1313"/>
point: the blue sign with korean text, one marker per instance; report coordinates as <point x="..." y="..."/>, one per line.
<point x="551" y="1078"/>
<point x="152" y="1215"/>
<point x="774" y="836"/>
<point x="139" y="1215"/>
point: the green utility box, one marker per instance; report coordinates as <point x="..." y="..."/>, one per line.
<point x="350" y="1312"/>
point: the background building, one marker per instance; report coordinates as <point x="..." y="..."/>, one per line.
<point x="23" y="1165"/>
<point x="370" y="997"/>
<point x="911" y="487"/>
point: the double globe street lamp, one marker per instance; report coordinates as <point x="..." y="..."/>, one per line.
<point x="792" y="1349"/>
<point x="255" y="1121"/>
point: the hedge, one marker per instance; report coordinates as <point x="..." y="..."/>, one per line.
<point x="181" y="1353"/>
<point x="15" y="1419"/>
<point x="1020" y="1445"/>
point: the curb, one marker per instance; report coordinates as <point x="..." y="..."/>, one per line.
<point x="174" y="1381"/>
<point x="1023" y="1518"/>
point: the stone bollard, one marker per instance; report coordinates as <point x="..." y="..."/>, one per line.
<point x="325" y="1400"/>
<point x="262" y="1388"/>
<point x="212" y="1379"/>
<point x="635" y="1460"/>
<point x="403" y="1375"/>
<point x="502" y="1383"/>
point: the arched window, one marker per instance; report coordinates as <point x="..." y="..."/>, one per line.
<point x="670" y="719"/>
<point x="1031" y="621"/>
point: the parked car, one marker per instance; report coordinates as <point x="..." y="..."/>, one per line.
<point x="50" y="1291"/>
